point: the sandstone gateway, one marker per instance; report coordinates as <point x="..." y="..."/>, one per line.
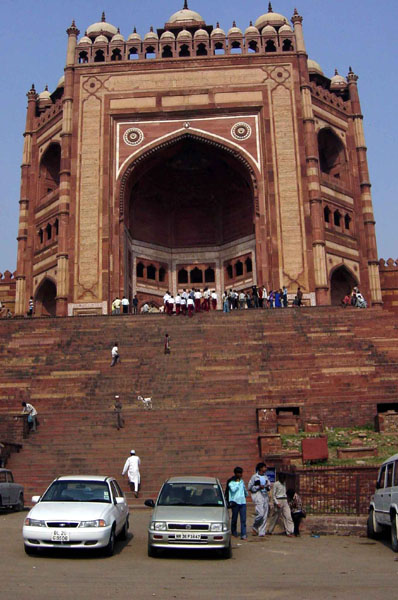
<point x="193" y="156"/>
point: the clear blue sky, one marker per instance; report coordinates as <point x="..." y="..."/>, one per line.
<point x="338" y="33"/>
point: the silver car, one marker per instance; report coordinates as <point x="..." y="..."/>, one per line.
<point x="77" y="511"/>
<point x="190" y="512"/>
<point x="11" y="493"/>
<point x="383" y="507"/>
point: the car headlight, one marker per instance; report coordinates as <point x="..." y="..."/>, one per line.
<point x="159" y="525"/>
<point x="216" y="527"/>
<point x="96" y="523"/>
<point x="34" y="522"/>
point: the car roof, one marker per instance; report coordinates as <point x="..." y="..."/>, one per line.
<point x="391" y="459"/>
<point x="192" y="479"/>
<point x="83" y="477"/>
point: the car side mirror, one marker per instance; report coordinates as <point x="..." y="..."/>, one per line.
<point x="120" y="500"/>
<point x="149" y="503"/>
<point x="35" y="499"/>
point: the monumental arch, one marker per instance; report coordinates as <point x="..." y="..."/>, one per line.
<point x="198" y="156"/>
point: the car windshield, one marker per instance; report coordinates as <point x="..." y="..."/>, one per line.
<point x="77" y="491"/>
<point x="191" y="494"/>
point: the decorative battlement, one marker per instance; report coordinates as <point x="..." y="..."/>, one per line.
<point x="330" y="98"/>
<point x="7" y="292"/>
<point x="52" y="111"/>
<point x="388" y="271"/>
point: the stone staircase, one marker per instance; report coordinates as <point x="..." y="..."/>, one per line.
<point x="336" y="364"/>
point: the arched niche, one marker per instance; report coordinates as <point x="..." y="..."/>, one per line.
<point x="342" y="281"/>
<point x="45" y="298"/>
<point x="49" y="172"/>
<point x="332" y="156"/>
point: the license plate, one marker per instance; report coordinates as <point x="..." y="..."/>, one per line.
<point x="60" y="536"/>
<point x="187" y="536"/>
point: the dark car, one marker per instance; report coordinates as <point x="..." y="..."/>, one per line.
<point x="11" y="494"/>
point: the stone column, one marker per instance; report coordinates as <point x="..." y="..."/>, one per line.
<point x="312" y="170"/>
<point x="65" y="174"/>
<point x="21" y="298"/>
<point x="366" y="196"/>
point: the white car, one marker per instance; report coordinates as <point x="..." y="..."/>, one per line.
<point x="77" y="511"/>
<point x="383" y="507"/>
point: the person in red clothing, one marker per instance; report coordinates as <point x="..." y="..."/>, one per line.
<point x="166" y="343"/>
<point x="214" y="300"/>
<point x="190" y="306"/>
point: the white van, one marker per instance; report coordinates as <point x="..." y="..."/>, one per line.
<point x="383" y="508"/>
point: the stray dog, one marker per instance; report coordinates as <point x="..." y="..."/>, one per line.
<point x="147" y="402"/>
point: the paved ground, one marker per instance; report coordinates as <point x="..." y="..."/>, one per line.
<point x="274" y="568"/>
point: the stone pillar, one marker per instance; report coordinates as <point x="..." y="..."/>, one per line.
<point x="65" y="174"/>
<point x="21" y="297"/>
<point x="366" y="196"/>
<point x="312" y="170"/>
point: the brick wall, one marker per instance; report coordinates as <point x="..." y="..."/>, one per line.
<point x="389" y="283"/>
<point x="7" y="290"/>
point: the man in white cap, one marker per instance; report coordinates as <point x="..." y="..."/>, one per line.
<point x="132" y="468"/>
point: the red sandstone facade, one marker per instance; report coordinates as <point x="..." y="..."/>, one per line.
<point x="188" y="157"/>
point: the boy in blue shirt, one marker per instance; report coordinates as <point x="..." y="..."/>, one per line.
<point x="236" y="494"/>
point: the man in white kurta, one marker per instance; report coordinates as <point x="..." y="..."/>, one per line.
<point x="132" y="468"/>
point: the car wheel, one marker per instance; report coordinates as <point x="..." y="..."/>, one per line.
<point x="394" y="533"/>
<point x="125" y="529"/>
<point x="372" y="529"/>
<point x="20" y="504"/>
<point x="227" y="552"/>
<point x="152" y="552"/>
<point x="29" y="550"/>
<point x="110" y="547"/>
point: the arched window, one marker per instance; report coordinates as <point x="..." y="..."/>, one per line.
<point x="184" y="51"/>
<point x="230" y="271"/>
<point x="99" y="56"/>
<point x="116" y="54"/>
<point x="236" y="48"/>
<point x="49" y="231"/>
<point x="41" y="236"/>
<point x="287" y="46"/>
<point x="140" y="270"/>
<point x="201" y="50"/>
<point x="219" y="48"/>
<point x="239" y="268"/>
<point x="182" y="276"/>
<point x="270" y="46"/>
<point x="50" y="166"/>
<point x="167" y="52"/>
<point x="196" y="275"/>
<point x="133" y="54"/>
<point x="332" y="159"/>
<point x="326" y="214"/>
<point x="151" y="272"/>
<point x="252" y="46"/>
<point x="162" y="274"/>
<point x="337" y="218"/>
<point x="249" y="265"/>
<point x="83" y="58"/>
<point x="150" y="52"/>
<point x="347" y="221"/>
<point x="209" y="275"/>
<point x="56" y="226"/>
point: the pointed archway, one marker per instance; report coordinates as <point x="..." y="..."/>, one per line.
<point x="341" y="283"/>
<point x="45" y="299"/>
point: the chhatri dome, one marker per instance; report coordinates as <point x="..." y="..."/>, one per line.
<point x="271" y="18"/>
<point x="185" y="15"/>
<point x="101" y="28"/>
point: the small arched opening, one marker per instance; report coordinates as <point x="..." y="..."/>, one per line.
<point x="219" y="48"/>
<point x="287" y="46"/>
<point x="270" y="46"/>
<point x="347" y="221"/>
<point x="49" y="232"/>
<point x="182" y="276"/>
<point x="116" y="55"/>
<point x="150" y="52"/>
<point x="140" y="270"/>
<point x="253" y="47"/>
<point x="151" y="272"/>
<point x="50" y="166"/>
<point x="133" y="54"/>
<point x="83" y="58"/>
<point x="239" y="268"/>
<point x="167" y="52"/>
<point x="196" y="275"/>
<point x="326" y="214"/>
<point x="184" y="51"/>
<point x="99" y="56"/>
<point x="236" y="48"/>
<point x="201" y="50"/>
<point x="249" y="265"/>
<point x="341" y="283"/>
<point x="332" y="160"/>
<point x="162" y="274"/>
<point x="337" y="218"/>
<point x="45" y="299"/>
<point x="210" y="275"/>
<point x="230" y="271"/>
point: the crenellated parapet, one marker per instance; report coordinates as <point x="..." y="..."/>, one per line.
<point x="7" y="293"/>
<point x="388" y="270"/>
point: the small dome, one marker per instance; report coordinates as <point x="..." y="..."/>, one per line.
<point x="271" y="18"/>
<point x="314" y="67"/>
<point x="151" y="35"/>
<point x="269" y="30"/>
<point x="61" y="82"/>
<point x="45" y="94"/>
<point x="101" y="39"/>
<point x="217" y="31"/>
<point x="184" y="35"/>
<point x="84" y="40"/>
<point x="168" y="35"/>
<point x="201" y="33"/>
<point x="251" y="30"/>
<point x="234" y="30"/>
<point x="337" y="82"/>
<point x="117" y="37"/>
<point x="286" y="29"/>
<point x="102" y="28"/>
<point x="134" y="36"/>
<point x="185" y="15"/>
